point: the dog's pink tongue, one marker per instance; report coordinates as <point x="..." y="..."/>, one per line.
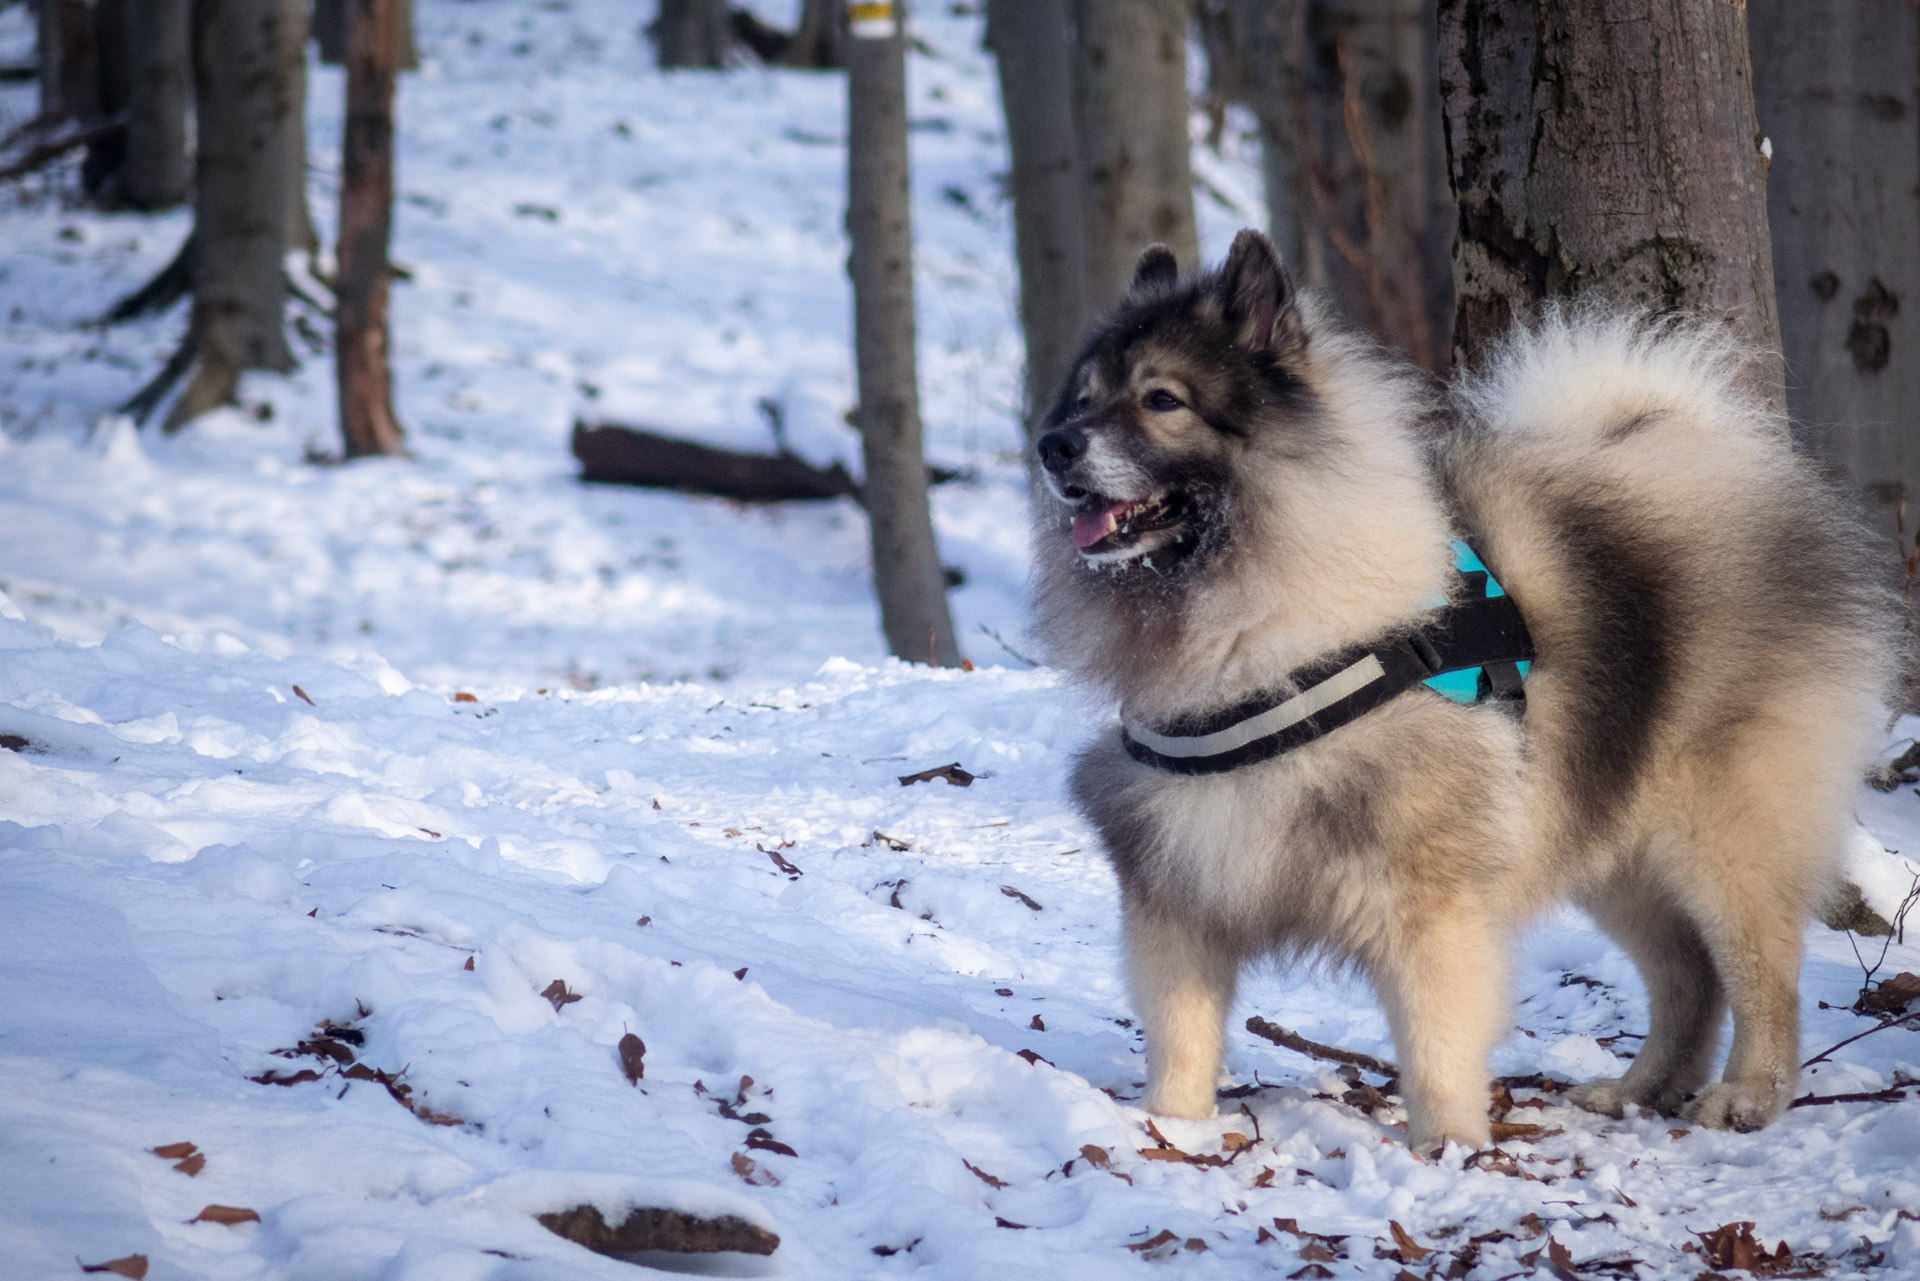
<point x="1090" y="527"/>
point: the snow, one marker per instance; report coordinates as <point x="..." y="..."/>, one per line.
<point x="304" y="740"/>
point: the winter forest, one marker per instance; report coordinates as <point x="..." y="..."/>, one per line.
<point x="526" y="751"/>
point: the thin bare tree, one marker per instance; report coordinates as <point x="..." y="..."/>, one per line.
<point x="1835" y="88"/>
<point x="1606" y="147"/>
<point x="364" y="278"/>
<point x="907" y="576"/>
<point x="158" y="170"/>
<point x="692" y="33"/>
<point x="239" y="285"/>
<point x="1130" y="111"/>
<point x="1032" y="43"/>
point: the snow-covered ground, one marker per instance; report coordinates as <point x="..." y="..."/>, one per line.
<point x="392" y="747"/>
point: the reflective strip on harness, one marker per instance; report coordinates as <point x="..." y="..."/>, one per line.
<point x="1308" y="702"/>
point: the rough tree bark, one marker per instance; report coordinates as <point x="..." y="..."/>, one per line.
<point x="692" y="33"/>
<point x="296" y="25"/>
<point x="113" y="53"/>
<point x="69" y="61"/>
<point x="239" y="288"/>
<point x="1835" y="89"/>
<point x="906" y="566"/>
<point x="1253" y="57"/>
<point x="363" y="279"/>
<point x="329" y="21"/>
<point x="158" y="171"/>
<point x="1032" y="41"/>
<point x="1130" y="113"/>
<point x="1606" y="147"/>
<point x="820" y="38"/>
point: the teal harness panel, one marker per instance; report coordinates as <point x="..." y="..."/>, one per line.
<point x="1464" y="687"/>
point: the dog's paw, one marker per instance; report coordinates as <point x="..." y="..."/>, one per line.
<point x="1184" y="1103"/>
<point x="1430" y="1137"/>
<point x="1609" y="1096"/>
<point x="1745" y="1106"/>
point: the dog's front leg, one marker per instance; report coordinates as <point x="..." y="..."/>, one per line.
<point x="1182" y="980"/>
<point x="1443" y="981"/>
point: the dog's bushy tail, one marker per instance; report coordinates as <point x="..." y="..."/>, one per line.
<point x="1604" y="374"/>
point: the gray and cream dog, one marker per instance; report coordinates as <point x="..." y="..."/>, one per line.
<point x="1237" y="489"/>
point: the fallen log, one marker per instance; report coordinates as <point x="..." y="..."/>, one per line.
<point x="611" y="454"/>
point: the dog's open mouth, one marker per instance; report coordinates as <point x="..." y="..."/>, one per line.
<point x="1102" y="527"/>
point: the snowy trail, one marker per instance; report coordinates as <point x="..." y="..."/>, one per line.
<point x="200" y="866"/>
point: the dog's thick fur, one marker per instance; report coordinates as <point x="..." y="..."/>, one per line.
<point x="1714" y="651"/>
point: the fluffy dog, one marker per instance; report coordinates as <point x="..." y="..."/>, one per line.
<point x="1236" y="488"/>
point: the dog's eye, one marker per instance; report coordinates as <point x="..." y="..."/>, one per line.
<point x="1162" y="401"/>
<point x="1086" y="398"/>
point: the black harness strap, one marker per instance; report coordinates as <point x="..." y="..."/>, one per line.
<point x="1487" y="632"/>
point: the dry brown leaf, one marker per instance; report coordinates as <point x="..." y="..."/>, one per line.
<point x="633" y="1053"/>
<point x="1032" y="1057"/>
<point x="175" y="1151"/>
<point x="193" y="1164"/>
<point x="1096" y="1157"/>
<point x="1010" y="892"/>
<point x="1411" y="1251"/>
<point x="305" y="697"/>
<point x="765" y="1142"/>
<point x="1312" y="1272"/>
<point x="1234" y="1141"/>
<point x="1891" y="996"/>
<point x="557" y="993"/>
<point x="1264" y="1179"/>
<point x="227" y="1214"/>
<point x="749" y="1170"/>
<point x="647" y="1228"/>
<point x="779" y="860"/>
<point x="1733" y="1245"/>
<point x="1503" y="1131"/>
<point x="1318" y="1253"/>
<point x="1560" y="1259"/>
<point x="999" y="1222"/>
<point x="464" y="697"/>
<point x="982" y="1175"/>
<point x="952" y="773"/>
<point x="271" y="1077"/>
<point x="133" y="1265"/>
<point x="1164" y="1154"/>
<point x="468" y="965"/>
<point x="1038" y="1024"/>
<point x="1160" y="1238"/>
<point x="741" y="974"/>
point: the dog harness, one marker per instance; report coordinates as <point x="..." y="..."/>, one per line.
<point x="1473" y="649"/>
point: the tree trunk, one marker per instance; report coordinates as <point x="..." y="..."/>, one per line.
<point x="100" y="172"/>
<point x="367" y="423"/>
<point x="295" y="27"/>
<point x="692" y="33"/>
<point x="158" y="172"/>
<point x="906" y="566"/>
<point x="820" y="39"/>
<point x="1253" y="58"/>
<point x="1130" y="113"/>
<point x="239" y="287"/>
<point x="1834" y="85"/>
<point x="1600" y="147"/>
<point x="69" y="61"/>
<point x="1032" y="41"/>
<point x="329" y="22"/>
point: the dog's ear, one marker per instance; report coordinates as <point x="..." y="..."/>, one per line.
<point x="1257" y="298"/>
<point x="1156" y="270"/>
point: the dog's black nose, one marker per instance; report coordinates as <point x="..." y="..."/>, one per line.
<point x="1058" y="449"/>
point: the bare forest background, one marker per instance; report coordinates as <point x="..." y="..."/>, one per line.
<point x="1436" y="168"/>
